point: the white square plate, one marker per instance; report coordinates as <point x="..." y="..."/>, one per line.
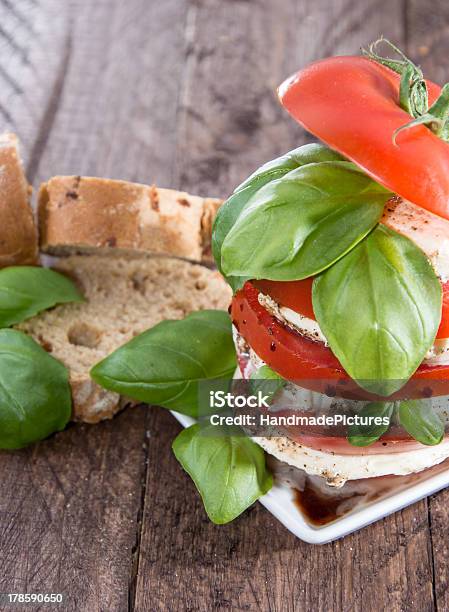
<point x="280" y="502"/>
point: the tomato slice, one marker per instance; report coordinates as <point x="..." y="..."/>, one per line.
<point x="395" y="441"/>
<point x="297" y="358"/>
<point x="352" y="104"/>
<point x="443" y="330"/>
<point x="297" y="295"/>
<point x="290" y="354"/>
<point x="340" y="446"/>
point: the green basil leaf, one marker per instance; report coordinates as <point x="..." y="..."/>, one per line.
<point x="227" y="467"/>
<point x="232" y="208"/>
<point x="420" y="421"/>
<point x="298" y="225"/>
<point x="165" y="364"/>
<point x="379" y="308"/>
<point x="35" y="397"/>
<point x="267" y="381"/>
<point x="26" y="290"/>
<point x="364" y="435"/>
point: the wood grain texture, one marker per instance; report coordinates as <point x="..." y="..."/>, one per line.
<point x="255" y="564"/>
<point x="69" y="511"/>
<point x="118" y="103"/>
<point x="93" y="87"/>
<point x="34" y="50"/>
<point x="428" y="43"/>
<point x="182" y="92"/>
<point x="230" y="120"/>
<point x="93" y="91"/>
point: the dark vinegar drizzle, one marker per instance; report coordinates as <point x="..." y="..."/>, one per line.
<point x="319" y="509"/>
<point x="320" y="504"/>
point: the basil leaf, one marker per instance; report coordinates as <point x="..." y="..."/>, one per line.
<point x="35" y="397"/>
<point x="165" y="364"/>
<point x="227" y="467"/>
<point x="267" y="381"/>
<point x="26" y="290"/>
<point x="364" y="435"/>
<point x="420" y="421"/>
<point x="300" y="224"/>
<point x="229" y="212"/>
<point x="379" y="308"/>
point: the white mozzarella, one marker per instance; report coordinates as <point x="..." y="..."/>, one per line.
<point x="338" y="469"/>
<point x="428" y="231"/>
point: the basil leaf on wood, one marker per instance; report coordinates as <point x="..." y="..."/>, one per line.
<point x="302" y="223"/>
<point x="35" y="396"/>
<point x="419" y="420"/>
<point x="379" y="308"/>
<point x="364" y="435"/>
<point x="267" y="381"/>
<point x="26" y="290"/>
<point x="229" y="212"/>
<point x="165" y="364"/>
<point x="227" y="467"/>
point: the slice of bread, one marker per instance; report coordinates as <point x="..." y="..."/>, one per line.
<point x="18" y="239"/>
<point x="124" y="297"/>
<point x="82" y="214"/>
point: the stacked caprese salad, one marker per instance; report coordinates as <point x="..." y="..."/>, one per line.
<point x="338" y="255"/>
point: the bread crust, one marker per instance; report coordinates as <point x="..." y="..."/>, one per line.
<point x="18" y="237"/>
<point x="83" y="213"/>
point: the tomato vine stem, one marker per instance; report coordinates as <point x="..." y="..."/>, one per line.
<point x="413" y="95"/>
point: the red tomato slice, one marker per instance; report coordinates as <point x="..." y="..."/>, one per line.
<point x="340" y="446"/>
<point x="443" y="330"/>
<point x="290" y="354"/>
<point x="352" y="104"/>
<point x="297" y="295"/>
<point x="298" y="358"/>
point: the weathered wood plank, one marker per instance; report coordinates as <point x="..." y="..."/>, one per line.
<point x="68" y="513"/>
<point x="34" y="50"/>
<point x="92" y="87"/>
<point x="117" y="106"/>
<point x="238" y="53"/>
<point x="230" y="122"/>
<point x="92" y="90"/>
<point x="255" y="564"/>
<point x="95" y="91"/>
<point x="428" y="44"/>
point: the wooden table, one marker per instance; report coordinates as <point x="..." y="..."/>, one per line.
<point x="182" y="93"/>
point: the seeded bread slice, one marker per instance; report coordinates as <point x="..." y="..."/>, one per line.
<point x="124" y="297"/>
<point x="18" y="234"/>
<point x="81" y="214"/>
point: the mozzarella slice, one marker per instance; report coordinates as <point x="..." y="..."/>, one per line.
<point x="338" y="469"/>
<point x="428" y="231"/>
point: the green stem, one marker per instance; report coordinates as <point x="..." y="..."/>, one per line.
<point x="436" y="118"/>
<point x="413" y="89"/>
<point x="396" y="65"/>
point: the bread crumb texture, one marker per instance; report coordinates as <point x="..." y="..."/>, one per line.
<point x="124" y="297"/>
